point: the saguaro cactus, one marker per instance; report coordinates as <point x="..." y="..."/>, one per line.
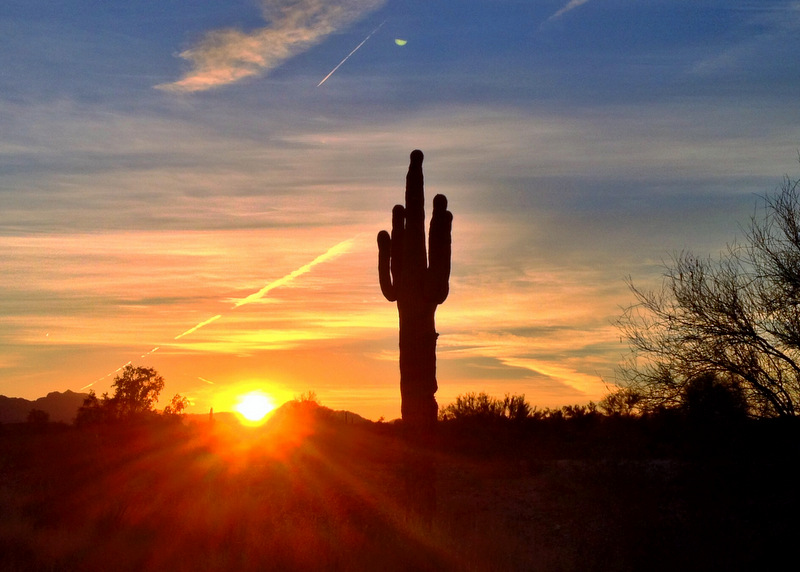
<point x="418" y="282"/>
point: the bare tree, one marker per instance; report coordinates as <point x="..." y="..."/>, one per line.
<point x="736" y="317"/>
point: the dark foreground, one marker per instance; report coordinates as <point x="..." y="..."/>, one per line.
<point x="310" y="494"/>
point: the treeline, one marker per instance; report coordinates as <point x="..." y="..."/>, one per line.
<point x="708" y="424"/>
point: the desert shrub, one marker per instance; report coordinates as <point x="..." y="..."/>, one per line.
<point x="482" y="406"/>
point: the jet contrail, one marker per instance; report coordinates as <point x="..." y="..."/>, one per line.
<point x="330" y="253"/>
<point x="154" y="350"/>
<point x="88" y="385"/>
<point x="351" y="53"/>
<point x="198" y="326"/>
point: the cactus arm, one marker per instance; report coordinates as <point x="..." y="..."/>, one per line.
<point x="437" y="279"/>
<point x="390" y="255"/>
<point x="398" y="240"/>
<point x="384" y="262"/>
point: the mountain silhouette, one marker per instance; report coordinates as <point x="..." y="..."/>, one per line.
<point x="59" y="406"/>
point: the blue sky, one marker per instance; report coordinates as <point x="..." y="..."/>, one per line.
<point x="160" y="160"/>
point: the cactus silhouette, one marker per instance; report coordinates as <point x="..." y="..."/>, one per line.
<point x="418" y="281"/>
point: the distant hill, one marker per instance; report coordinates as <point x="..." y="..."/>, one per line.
<point x="60" y="406"/>
<point x="294" y="407"/>
<point x="288" y="409"/>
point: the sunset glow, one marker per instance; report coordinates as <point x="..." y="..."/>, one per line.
<point x="254" y="406"/>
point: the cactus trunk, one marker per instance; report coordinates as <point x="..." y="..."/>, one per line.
<point x="418" y="280"/>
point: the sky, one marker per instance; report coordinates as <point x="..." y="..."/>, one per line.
<point x="184" y="186"/>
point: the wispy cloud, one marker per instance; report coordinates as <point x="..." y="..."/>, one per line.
<point x="777" y="24"/>
<point x="571" y="5"/>
<point x="228" y="55"/>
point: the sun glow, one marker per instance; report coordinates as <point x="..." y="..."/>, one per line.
<point x="254" y="406"/>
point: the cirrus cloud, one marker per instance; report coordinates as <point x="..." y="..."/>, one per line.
<point x="228" y="55"/>
<point x="571" y="5"/>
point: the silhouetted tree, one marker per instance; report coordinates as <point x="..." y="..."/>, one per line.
<point x="473" y="406"/>
<point x="621" y="401"/>
<point x="309" y="396"/>
<point x="93" y="410"/>
<point x="136" y="390"/>
<point x="737" y="318"/>
<point x="516" y="408"/>
<point x="177" y="406"/>
<point x="38" y="417"/>
<point x="709" y="398"/>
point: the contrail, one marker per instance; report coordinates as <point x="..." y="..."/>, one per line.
<point x="154" y="350"/>
<point x="351" y="53"/>
<point x="330" y="253"/>
<point x="198" y="326"/>
<point x="88" y="385"/>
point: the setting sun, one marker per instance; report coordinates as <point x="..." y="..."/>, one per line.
<point x="254" y="406"/>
